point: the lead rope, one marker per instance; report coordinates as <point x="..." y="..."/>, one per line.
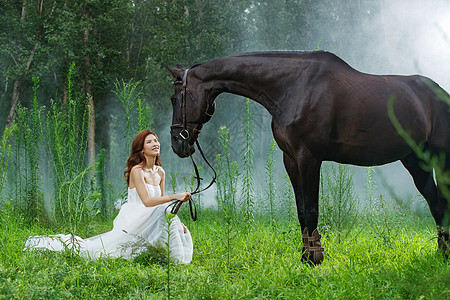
<point x="192" y="207"/>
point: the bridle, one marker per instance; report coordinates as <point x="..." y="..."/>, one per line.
<point x="184" y="135"/>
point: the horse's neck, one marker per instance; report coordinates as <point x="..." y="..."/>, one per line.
<point x="264" y="83"/>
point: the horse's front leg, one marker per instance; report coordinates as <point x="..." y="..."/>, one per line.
<point x="304" y="172"/>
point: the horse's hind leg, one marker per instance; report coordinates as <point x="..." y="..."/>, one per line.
<point x="439" y="206"/>
<point x="443" y="205"/>
<point x="304" y="174"/>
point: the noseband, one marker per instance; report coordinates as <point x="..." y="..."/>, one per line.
<point x="184" y="135"/>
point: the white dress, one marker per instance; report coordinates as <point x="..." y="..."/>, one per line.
<point x="135" y="228"/>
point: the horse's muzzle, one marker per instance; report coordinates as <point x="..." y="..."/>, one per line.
<point x="180" y="147"/>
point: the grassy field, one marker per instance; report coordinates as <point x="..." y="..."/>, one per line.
<point x="235" y="261"/>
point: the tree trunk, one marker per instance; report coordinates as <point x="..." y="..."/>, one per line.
<point x="18" y="82"/>
<point x="15" y="100"/>
<point x="17" y="87"/>
<point x="89" y="95"/>
<point x="91" y="133"/>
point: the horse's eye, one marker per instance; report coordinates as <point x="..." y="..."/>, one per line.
<point x="173" y="99"/>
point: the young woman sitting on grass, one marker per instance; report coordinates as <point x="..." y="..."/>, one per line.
<point x="141" y="221"/>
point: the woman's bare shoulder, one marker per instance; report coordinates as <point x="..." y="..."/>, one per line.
<point x="161" y="170"/>
<point x="136" y="169"/>
<point x="136" y="174"/>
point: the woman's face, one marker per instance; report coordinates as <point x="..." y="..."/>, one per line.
<point x="151" y="145"/>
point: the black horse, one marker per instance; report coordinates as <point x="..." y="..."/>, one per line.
<point x="323" y="110"/>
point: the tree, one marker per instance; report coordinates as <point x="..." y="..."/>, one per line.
<point x="188" y="32"/>
<point x="21" y="39"/>
<point x="93" y="35"/>
<point x="277" y="25"/>
<point x="43" y="38"/>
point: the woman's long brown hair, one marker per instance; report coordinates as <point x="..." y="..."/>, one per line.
<point x="136" y="155"/>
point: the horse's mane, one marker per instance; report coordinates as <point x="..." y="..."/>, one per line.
<point x="282" y="53"/>
<point x="319" y="55"/>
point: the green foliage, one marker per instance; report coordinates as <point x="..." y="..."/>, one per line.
<point x="220" y="182"/>
<point x="173" y="181"/>
<point x="385" y="215"/>
<point x="127" y="94"/>
<point x="132" y="39"/>
<point x="169" y="220"/>
<point x="370" y="186"/>
<point x="227" y="175"/>
<point x="35" y="134"/>
<point x="227" y="180"/>
<point x="152" y="255"/>
<point x="104" y="201"/>
<point x="138" y="116"/>
<point x="384" y="219"/>
<point x="21" y="22"/>
<point x="271" y="197"/>
<point x="66" y="140"/>
<point x="72" y="196"/>
<point x="19" y="163"/>
<point x="185" y="32"/>
<point x="5" y="151"/>
<point x="248" y="158"/>
<point x="199" y="196"/>
<point x="43" y="37"/>
<point x="289" y="197"/>
<point x="145" y="115"/>
<point x="338" y="199"/>
<point x="27" y="141"/>
<point x="192" y="31"/>
<point x="93" y="34"/>
<point x="275" y="24"/>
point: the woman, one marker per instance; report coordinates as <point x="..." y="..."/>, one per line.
<point x="142" y="219"/>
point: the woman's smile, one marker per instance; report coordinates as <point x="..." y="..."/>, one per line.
<point x="151" y="145"/>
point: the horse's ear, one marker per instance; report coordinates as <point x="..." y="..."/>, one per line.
<point x="181" y="67"/>
<point x="176" y="73"/>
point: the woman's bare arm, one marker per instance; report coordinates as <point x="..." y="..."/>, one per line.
<point x="137" y="177"/>
<point x="162" y="174"/>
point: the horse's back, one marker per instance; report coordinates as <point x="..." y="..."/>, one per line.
<point x="360" y="123"/>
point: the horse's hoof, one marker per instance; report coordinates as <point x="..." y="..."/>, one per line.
<point x="313" y="258"/>
<point x="312" y="249"/>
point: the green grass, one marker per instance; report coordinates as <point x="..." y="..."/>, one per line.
<point x="265" y="264"/>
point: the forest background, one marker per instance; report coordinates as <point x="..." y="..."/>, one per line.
<point x="117" y="50"/>
<point x="113" y="42"/>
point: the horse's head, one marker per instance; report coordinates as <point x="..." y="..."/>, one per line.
<point x="192" y="107"/>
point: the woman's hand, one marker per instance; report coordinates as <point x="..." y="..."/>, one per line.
<point x="183" y="196"/>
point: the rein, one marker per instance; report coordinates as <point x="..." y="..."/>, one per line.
<point x="184" y="134"/>
<point x="192" y="207"/>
